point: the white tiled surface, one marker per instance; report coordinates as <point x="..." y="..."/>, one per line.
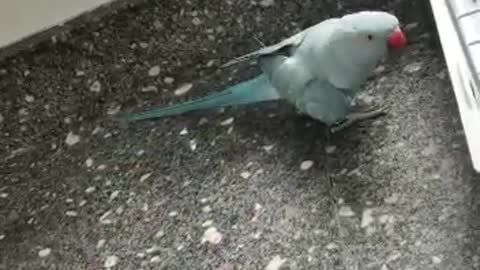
<point x="21" y="18"/>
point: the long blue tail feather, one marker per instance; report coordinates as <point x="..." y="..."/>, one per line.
<point x="255" y="90"/>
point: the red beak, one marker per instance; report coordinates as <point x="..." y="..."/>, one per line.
<point x="397" y="39"/>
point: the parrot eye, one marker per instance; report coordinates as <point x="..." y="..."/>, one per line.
<point x="370" y="37"/>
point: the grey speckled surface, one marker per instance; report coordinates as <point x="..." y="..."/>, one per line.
<point x="404" y="194"/>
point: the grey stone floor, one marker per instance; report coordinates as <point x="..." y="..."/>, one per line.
<point x="223" y="190"/>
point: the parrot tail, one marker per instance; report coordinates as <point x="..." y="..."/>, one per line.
<point x="252" y="91"/>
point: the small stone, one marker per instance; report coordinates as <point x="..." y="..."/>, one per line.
<point x="101" y="167"/>
<point x="384" y="267"/>
<point x="104" y="218"/>
<point x="111" y="261"/>
<point x="267" y="3"/>
<point x="71" y="214"/>
<point x="207" y="223"/>
<point x="114" y="110"/>
<point x="143" y="45"/>
<point x="2" y="236"/>
<point x="89" y="162"/>
<point x="412" y="68"/>
<point x="173" y="214"/>
<point x="152" y="250"/>
<point x="330" y="149"/>
<point x="436" y="260"/>
<point x="193" y="145"/>
<point x="184" y="131"/>
<point x="212" y="236"/>
<point x="72" y="139"/>
<point x="150" y="88"/>
<point x="114" y="195"/>
<point x="29" y="98"/>
<point x="182" y="90"/>
<point x="268" y="148"/>
<point x="196" y="21"/>
<point x="44" y="252"/>
<point x="206" y="209"/>
<point x="145" y="177"/>
<point x="306" y="165"/>
<point x="82" y="203"/>
<point x="101" y="243"/>
<point x="155" y="259"/>
<point x="227" y="121"/>
<point x="168" y="80"/>
<point x="96" y="87"/>
<point x="245" y="175"/>
<point x="154" y="71"/>
<point x="346" y="211"/>
<point x="275" y="263"/>
<point x="90" y="190"/>
<point x="332" y="246"/>
<point x="159" y="234"/>
<point x="367" y="218"/>
<point x="3" y="195"/>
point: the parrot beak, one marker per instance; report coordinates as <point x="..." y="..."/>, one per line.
<point x="396" y="39"/>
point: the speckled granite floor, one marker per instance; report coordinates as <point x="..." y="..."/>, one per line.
<point x="245" y="188"/>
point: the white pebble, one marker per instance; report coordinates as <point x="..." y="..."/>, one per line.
<point x="245" y="175"/>
<point x="2" y="236"/>
<point x="182" y="90"/>
<point x="152" y="250"/>
<point x="346" y="211"/>
<point x="173" y="214"/>
<point x="90" y="190"/>
<point x="206" y="209"/>
<point x="150" y="88"/>
<point x="227" y="121"/>
<point x="89" y="162"/>
<point x="114" y="195"/>
<point x="305" y="165"/>
<point x="275" y="263"/>
<point x="367" y="218"/>
<point x="44" y="252"/>
<point x="159" y="234"/>
<point x="193" y="145"/>
<point x="101" y="243"/>
<point x="412" y="68"/>
<point x="154" y="71"/>
<point x="96" y="87"/>
<point x="145" y="177"/>
<point x="155" y="259"/>
<point x="71" y="214"/>
<point x="29" y="98"/>
<point x="3" y="195"/>
<point x="111" y="261"/>
<point x="436" y="259"/>
<point x="212" y="236"/>
<point x="207" y="223"/>
<point x="168" y="80"/>
<point x="184" y="131"/>
<point x="72" y="139"/>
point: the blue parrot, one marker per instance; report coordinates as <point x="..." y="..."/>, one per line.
<point x="318" y="70"/>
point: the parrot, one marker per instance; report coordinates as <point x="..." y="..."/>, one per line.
<point x="319" y="71"/>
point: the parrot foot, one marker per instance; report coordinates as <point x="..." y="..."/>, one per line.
<point x="359" y="116"/>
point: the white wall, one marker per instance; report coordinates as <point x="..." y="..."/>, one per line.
<point x="21" y="18"/>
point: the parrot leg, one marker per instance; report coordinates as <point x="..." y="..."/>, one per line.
<point x="359" y="116"/>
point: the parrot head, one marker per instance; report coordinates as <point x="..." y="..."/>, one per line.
<point x="367" y="36"/>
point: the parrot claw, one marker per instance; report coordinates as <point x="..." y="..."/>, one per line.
<point x="359" y="116"/>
